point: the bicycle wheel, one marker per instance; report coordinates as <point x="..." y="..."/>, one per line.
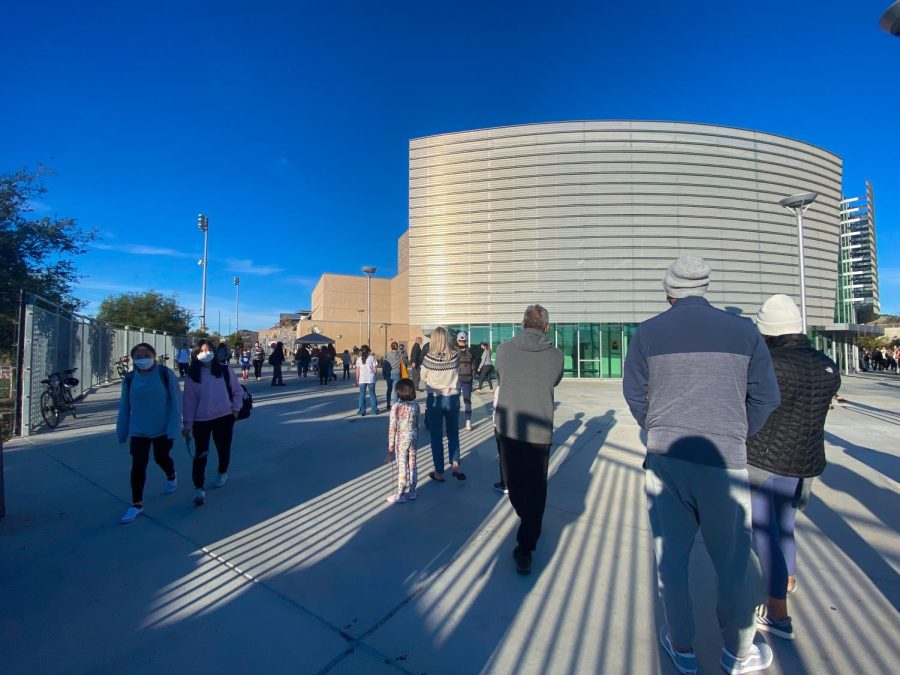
<point x="49" y="411"/>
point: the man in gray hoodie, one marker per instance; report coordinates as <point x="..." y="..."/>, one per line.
<point x="529" y="366"/>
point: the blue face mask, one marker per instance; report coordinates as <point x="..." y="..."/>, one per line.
<point x="143" y="364"/>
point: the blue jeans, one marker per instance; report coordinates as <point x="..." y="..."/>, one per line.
<point x="373" y="403"/>
<point x="394" y="378"/>
<point x="773" y="532"/>
<point x="443" y="411"/>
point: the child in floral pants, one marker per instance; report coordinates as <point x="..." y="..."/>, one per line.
<point x="403" y="435"/>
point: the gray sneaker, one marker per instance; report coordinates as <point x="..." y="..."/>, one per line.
<point x="219" y="481"/>
<point x="685" y="662"/>
<point x="782" y="628"/>
<point x="199" y="497"/>
<point x="759" y="658"/>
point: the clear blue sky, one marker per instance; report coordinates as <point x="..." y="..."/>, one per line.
<point x="287" y="123"/>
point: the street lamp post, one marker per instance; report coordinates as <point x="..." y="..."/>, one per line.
<point x="369" y="271"/>
<point x="360" y="324"/>
<point x="797" y="204"/>
<point x="237" y="305"/>
<point x="203" y="224"/>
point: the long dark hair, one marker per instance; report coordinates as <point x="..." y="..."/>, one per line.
<point x="216" y="368"/>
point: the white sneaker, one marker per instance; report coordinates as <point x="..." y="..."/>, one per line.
<point x="468" y="425"/>
<point x="199" y="497"/>
<point x="412" y="496"/>
<point x="397" y="499"/>
<point x="219" y="481"/>
<point x="759" y="658"/>
<point x="132" y="513"/>
<point x="171" y="486"/>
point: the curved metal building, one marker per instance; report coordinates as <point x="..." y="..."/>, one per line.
<point x="584" y="217"/>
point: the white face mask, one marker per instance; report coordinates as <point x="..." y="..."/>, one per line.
<point x="205" y="357"/>
<point x="143" y="364"/>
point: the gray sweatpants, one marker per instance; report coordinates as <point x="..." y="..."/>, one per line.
<point x="682" y="497"/>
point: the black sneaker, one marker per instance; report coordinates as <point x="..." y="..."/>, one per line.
<point x="500" y="487"/>
<point x="782" y="628"/>
<point x="523" y="560"/>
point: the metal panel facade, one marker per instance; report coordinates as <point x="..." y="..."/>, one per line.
<point x="584" y="217"/>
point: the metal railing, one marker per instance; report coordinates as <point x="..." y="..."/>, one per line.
<point x="55" y="339"/>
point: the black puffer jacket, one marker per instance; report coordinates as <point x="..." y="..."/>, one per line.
<point x="792" y="442"/>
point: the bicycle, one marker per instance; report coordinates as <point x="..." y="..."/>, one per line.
<point x="57" y="397"/>
<point x="162" y="358"/>
<point x="122" y="367"/>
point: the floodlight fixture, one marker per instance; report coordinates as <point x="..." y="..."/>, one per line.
<point x="799" y="201"/>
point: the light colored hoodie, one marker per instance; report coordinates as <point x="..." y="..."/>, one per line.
<point x="208" y="399"/>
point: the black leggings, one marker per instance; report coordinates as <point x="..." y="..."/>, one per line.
<point x="221" y="430"/>
<point x="276" y="374"/>
<point x="140" y="458"/>
<point x="257" y="369"/>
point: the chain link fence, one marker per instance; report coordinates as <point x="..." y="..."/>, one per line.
<point x="54" y="340"/>
<point x="10" y="302"/>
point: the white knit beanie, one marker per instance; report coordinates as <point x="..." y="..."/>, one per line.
<point x="689" y="275"/>
<point x="779" y="316"/>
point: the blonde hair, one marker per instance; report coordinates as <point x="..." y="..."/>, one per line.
<point x="440" y="340"/>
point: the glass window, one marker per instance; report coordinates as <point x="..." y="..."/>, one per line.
<point x="567" y="342"/>
<point x="589" y="349"/>
<point x="612" y="350"/>
<point x="500" y="332"/>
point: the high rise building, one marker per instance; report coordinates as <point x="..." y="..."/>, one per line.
<point x="859" y="260"/>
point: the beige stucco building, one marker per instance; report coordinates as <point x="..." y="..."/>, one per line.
<point x="340" y="309"/>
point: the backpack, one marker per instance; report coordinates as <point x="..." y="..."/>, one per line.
<point x="163" y="375"/>
<point x="246" y="398"/>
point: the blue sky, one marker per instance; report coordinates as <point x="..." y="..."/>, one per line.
<point x="288" y="123"/>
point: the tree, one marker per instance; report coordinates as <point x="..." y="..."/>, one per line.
<point x="36" y="251"/>
<point x="151" y="310"/>
<point x="235" y="340"/>
<point x="866" y="314"/>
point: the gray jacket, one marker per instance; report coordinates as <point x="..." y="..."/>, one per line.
<point x="394" y="358"/>
<point x="529" y="367"/>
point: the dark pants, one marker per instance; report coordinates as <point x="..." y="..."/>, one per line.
<point x="772" y="506"/>
<point x="140" y="458"/>
<point x="386" y="373"/>
<point x="304" y="369"/>
<point x="323" y="375"/>
<point x="221" y="429"/>
<point x="524" y="467"/>
<point x="486" y="373"/>
<point x="346" y="372"/>
<point x="257" y="369"/>
<point x="182" y="369"/>
<point x="465" y="390"/>
<point x="276" y="374"/>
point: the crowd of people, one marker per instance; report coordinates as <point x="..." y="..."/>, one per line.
<point x="880" y="359"/>
<point x="733" y="413"/>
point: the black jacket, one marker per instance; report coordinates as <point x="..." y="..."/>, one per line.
<point x="415" y="355"/>
<point x="792" y="441"/>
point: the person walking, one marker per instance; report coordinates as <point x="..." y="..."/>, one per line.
<point x="699" y="381"/>
<point x="212" y="400"/>
<point x="394" y="359"/>
<point x="149" y="413"/>
<point x="440" y="376"/>
<point x="415" y="363"/>
<point x="182" y="359"/>
<point x="245" y="364"/>
<point x="531" y="367"/>
<point x="332" y="358"/>
<point x="466" y="374"/>
<point x="485" y="367"/>
<point x="325" y="365"/>
<point x="366" y="369"/>
<point x="345" y="360"/>
<point x="787" y="453"/>
<point x="403" y="436"/>
<point x="304" y="357"/>
<point x="276" y="358"/>
<point x="259" y="357"/>
<point x="223" y="353"/>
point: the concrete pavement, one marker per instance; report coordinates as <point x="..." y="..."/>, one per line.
<point x="298" y="565"/>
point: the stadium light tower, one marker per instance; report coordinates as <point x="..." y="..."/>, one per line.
<point x="797" y="204"/>
<point x="203" y="225"/>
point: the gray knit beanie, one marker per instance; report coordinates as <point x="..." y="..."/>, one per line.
<point x="689" y="275"/>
